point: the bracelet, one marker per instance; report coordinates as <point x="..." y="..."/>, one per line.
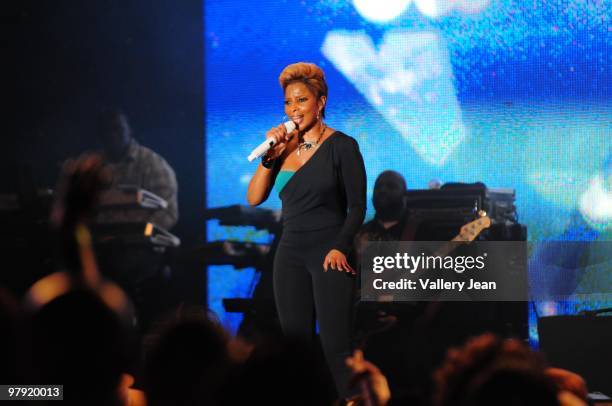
<point x="267" y="162"/>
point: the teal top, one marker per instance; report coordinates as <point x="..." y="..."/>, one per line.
<point x="281" y="179"/>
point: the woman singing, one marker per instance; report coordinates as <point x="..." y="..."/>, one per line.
<point x="321" y="180"/>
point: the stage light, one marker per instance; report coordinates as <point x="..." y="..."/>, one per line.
<point x="381" y="11"/>
<point x="439" y="8"/>
<point x="407" y="79"/>
<point x="434" y="8"/>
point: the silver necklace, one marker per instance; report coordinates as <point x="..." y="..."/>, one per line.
<point x="308" y="145"/>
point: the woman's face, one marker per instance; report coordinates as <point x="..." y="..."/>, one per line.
<point x="301" y="105"/>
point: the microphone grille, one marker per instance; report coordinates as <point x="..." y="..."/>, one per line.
<point x="289" y="126"/>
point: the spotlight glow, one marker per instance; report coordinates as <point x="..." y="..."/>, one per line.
<point x="434" y="8"/>
<point x="381" y="11"/>
<point x="439" y="8"/>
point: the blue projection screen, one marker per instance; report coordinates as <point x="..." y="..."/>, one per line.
<point x="515" y="94"/>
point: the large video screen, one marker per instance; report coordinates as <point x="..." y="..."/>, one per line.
<point x="513" y="93"/>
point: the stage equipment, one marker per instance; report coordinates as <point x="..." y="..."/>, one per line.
<point x="422" y="332"/>
<point x="439" y="213"/>
<point x="238" y="254"/>
<point x="132" y="197"/>
<point x="238" y="215"/>
<point x="134" y="233"/>
<point x="260" y="318"/>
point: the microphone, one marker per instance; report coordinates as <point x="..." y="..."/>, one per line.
<point x="269" y="143"/>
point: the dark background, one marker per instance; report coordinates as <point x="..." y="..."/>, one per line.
<point x="65" y="60"/>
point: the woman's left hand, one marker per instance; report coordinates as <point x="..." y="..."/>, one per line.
<point x="336" y="260"/>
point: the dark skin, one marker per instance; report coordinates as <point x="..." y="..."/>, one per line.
<point x="115" y="136"/>
<point x="304" y="108"/>
<point x="388" y="197"/>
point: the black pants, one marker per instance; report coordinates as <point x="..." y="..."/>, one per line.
<point x="301" y="288"/>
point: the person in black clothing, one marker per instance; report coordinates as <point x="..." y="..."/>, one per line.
<point x="389" y="221"/>
<point x="320" y="177"/>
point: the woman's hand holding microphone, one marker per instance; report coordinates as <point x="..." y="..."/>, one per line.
<point x="281" y="138"/>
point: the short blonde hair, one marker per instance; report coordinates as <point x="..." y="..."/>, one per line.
<point x="309" y="74"/>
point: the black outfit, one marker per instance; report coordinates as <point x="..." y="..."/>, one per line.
<point x="373" y="230"/>
<point x="324" y="205"/>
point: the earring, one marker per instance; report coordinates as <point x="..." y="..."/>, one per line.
<point x="319" y="115"/>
